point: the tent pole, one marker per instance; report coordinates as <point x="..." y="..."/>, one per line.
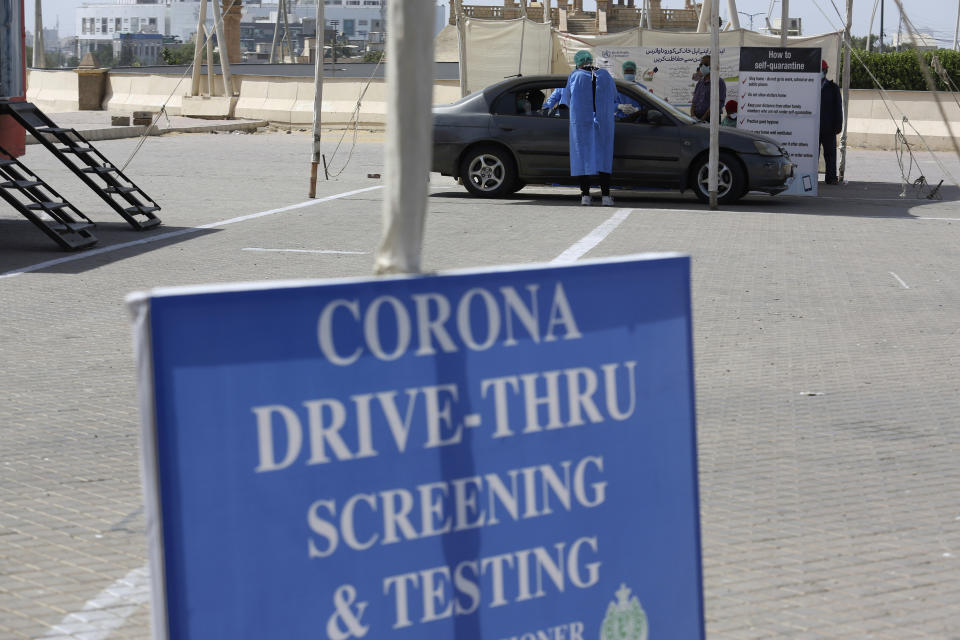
<point x="409" y="136"/>
<point x="705" y="11"/>
<point x="210" y="71"/>
<point x="734" y="15"/>
<point x="224" y="53"/>
<point x="276" y="33"/>
<point x="956" y="32"/>
<point x="317" y="97"/>
<point x="784" y="22"/>
<point x="286" y="32"/>
<point x="39" y="59"/>
<point x="198" y="49"/>
<point x="846" y="89"/>
<point x="462" y="43"/>
<point x="870" y="30"/>
<point x="715" y="75"/>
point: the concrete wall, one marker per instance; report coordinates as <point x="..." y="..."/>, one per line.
<point x="290" y="101"/>
<point x="870" y="124"/>
<point x="54" y="91"/>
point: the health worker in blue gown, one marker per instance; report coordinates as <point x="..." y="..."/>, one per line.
<point x="591" y="96"/>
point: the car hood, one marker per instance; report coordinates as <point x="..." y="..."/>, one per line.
<point x="739" y="138"/>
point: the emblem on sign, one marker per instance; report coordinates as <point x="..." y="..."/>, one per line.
<point x="625" y="619"/>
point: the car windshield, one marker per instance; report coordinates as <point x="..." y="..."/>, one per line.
<point x="663" y="105"/>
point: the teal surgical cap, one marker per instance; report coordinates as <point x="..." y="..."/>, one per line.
<point x="629" y="64"/>
<point x="582" y="58"/>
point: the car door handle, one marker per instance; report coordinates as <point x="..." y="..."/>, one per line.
<point x="506" y="128"/>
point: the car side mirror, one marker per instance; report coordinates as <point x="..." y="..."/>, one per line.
<point x="654" y="117"/>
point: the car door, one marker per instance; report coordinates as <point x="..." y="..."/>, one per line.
<point x="648" y="153"/>
<point x="538" y="141"/>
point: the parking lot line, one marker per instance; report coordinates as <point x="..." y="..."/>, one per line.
<point x="107" y="612"/>
<point x="181" y="232"/>
<point x="898" y="279"/>
<point x="579" y="248"/>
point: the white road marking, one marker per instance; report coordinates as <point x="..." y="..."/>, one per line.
<point x="902" y="283"/>
<point x="107" y="612"/>
<point x="947" y="219"/>
<point x="592" y="239"/>
<point x="180" y="232"/>
<point x="333" y="251"/>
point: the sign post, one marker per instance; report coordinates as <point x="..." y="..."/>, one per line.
<point x="780" y="98"/>
<point x="482" y="455"/>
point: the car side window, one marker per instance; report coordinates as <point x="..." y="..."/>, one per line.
<point x="520" y="102"/>
<point x="634" y="109"/>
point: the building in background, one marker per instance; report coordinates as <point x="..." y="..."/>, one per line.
<point x="361" y="23"/>
<point x="131" y="49"/>
<point x="619" y="15"/>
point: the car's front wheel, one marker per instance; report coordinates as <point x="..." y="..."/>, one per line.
<point x="489" y="172"/>
<point x="731" y="180"/>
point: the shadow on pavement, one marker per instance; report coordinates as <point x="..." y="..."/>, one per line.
<point x="22" y="245"/>
<point x="854" y="199"/>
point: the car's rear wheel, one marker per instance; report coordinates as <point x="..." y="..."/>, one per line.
<point x="731" y="180"/>
<point x="489" y="171"/>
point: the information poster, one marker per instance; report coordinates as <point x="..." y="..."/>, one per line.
<point x="780" y="98"/>
<point x="486" y="455"/>
<point x="670" y="72"/>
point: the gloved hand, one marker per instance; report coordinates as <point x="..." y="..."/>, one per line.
<point x="628" y="109"/>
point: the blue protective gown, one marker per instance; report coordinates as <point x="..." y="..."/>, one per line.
<point x="622" y="99"/>
<point x="554" y="99"/>
<point x="591" y="121"/>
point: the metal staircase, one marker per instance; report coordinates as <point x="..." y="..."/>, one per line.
<point x="43" y="206"/>
<point x="98" y="173"/>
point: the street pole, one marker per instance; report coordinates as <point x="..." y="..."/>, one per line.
<point x="751" y="16"/>
<point x="409" y="135"/>
<point x="317" y="97"/>
<point x="714" y="163"/>
<point x="846" y="89"/>
<point x="784" y="22"/>
<point x="881" y="25"/>
<point x="38" y="57"/>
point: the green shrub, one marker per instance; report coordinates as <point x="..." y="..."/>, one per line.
<point x="901" y="71"/>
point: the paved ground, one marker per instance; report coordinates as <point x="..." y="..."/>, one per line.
<point x="827" y="344"/>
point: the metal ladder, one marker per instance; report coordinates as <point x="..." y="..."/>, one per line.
<point x="42" y="205"/>
<point x="91" y="166"/>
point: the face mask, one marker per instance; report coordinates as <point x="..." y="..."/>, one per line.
<point x="823" y="74"/>
<point x="705" y="69"/>
<point x="523" y="105"/>
<point x="732" y="116"/>
<point x="630" y="77"/>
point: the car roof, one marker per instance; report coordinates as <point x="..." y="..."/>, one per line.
<point x="508" y="83"/>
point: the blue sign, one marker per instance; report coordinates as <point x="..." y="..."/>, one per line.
<point x="485" y="455"/>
